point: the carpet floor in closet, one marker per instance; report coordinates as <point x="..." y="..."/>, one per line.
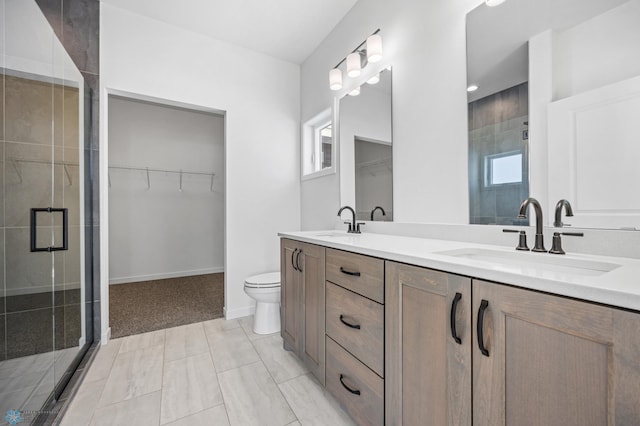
<point x="145" y="306"/>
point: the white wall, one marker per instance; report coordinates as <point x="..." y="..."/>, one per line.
<point x="260" y="96"/>
<point x="162" y="231"/>
<point x="425" y="43"/>
<point x="600" y="51"/>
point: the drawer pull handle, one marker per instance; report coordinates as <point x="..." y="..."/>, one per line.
<point x="353" y="391"/>
<point x="356" y="326"/>
<point x="483" y="307"/>
<point x="353" y="274"/>
<point x="454" y="308"/>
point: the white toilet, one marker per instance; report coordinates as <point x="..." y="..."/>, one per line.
<point x="265" y="290"/>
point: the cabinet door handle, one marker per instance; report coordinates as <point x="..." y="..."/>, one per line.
<point x="292" y="261"/>
<point x="454" y="308"/>
<point x="483" y="307"/>
<point x="353" y="274"/>
<point x="356" y="326"/>
<point x="298" y="260"/>
<point x="353" y="391"/>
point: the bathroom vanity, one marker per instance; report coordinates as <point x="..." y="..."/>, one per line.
<point x="418" y="331"/>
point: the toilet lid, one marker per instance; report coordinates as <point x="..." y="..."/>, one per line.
<point x="270" y="279"/>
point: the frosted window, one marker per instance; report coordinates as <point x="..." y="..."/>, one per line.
<point x="505" y="169"/>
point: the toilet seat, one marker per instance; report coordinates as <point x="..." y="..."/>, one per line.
<point x="268" y="280"/>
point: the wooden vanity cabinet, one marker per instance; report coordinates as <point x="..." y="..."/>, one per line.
<point x="524" y="357"/>
<point x="355" y="334"/>
<point x="428" y="372"/>
<point x="302" y="302"/>
<point x="552" y="360"/>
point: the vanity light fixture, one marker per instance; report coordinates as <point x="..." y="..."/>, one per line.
<point x="355" y="92"/>
<point x="335" y="79"/>
<point x="374" y="79"/>
<point x="354" y="64"/>
<point x="374" y="48"/>
<point x="492" y="3"/>
<point x="369" y="50"/>
<point x="472" y="88"/>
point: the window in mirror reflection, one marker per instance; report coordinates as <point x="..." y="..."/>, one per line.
<point x="498" y="157"/>
<point x="503" y="168"/>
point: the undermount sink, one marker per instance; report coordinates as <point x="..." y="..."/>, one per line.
<point x="534" y="262"/>
<point x="333" y="234"/>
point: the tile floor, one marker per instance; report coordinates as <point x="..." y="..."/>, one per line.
<point x="26" y="382"/>
<point x="215" y="372"/>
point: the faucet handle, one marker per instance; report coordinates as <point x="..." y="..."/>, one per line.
<point x="522" y="240"/>
<point x="556" y="247"/>
<point x="357" y="231"/>
<point x="350" y="228"/>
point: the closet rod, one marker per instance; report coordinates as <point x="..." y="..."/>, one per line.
<point x="146" y="169"/>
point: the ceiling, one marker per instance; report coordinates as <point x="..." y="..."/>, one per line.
<point x="285" y="29"/>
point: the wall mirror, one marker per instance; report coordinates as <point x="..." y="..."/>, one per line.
<point x="557" y="87"/>
<point x="365" y="140"/>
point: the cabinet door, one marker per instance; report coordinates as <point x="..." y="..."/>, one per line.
<point x="313" y="309"/>
<point x="553" y="361"/>
<point x="427" y="373"/>
<point x="289" y="295"/>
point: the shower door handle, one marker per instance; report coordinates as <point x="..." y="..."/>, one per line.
<point x="65" y="229"/>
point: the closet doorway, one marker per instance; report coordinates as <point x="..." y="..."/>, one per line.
<point x="166" y="216"/>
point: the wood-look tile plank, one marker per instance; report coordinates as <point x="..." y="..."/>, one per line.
<point x="141" y="411"/>
<point x="216" y="416"/>
<point x="133" y="374"/>
<point x="312" y="404"/>
<point x="282" y="364"/>
<point x="252" y="397"/>
<point x="231" y="349"/>
<point x="141" y="341"/>
<point x="190" y="385"/>
<point x="184" y="341"/>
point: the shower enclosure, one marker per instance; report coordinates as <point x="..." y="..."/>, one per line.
<point x="45" y="311"/>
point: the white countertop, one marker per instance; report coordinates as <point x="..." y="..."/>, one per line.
<point x="619" y="287"/>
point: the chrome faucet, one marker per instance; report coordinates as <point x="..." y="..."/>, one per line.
<point x="539" y="243"/>
<point x="562" y="203"/>
<point x="354" y="228"/>
<point x="377" y="208"/>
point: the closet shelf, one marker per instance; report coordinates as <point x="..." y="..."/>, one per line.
<point x="375" y="166"/>
<point x="16" y="161"/>
<point x="178" y="172"/>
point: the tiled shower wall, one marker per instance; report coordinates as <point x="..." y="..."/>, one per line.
<point x="497" y="124"/>
<point x="77" y="25"/>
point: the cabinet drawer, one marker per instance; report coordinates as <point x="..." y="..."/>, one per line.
<point x="357" y="324"/>
<point x="362" y="274"/>
<point x="345" y="371"/>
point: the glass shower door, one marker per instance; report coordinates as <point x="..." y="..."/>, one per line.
<point x="41" y="315"/>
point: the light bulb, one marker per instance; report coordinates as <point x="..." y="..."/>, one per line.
<point x="335" y="79"/>
<point x="355" y="92"/>
<point x="374" y="48"/>
<point x="353" y="64"/>
<point x="375" y="79"/>
<point x="472" y="88"/>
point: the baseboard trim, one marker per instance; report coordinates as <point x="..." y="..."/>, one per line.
<point x="106" y="336"/>
<point x="230" y="314"/>
<point x="150" y="277"/>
